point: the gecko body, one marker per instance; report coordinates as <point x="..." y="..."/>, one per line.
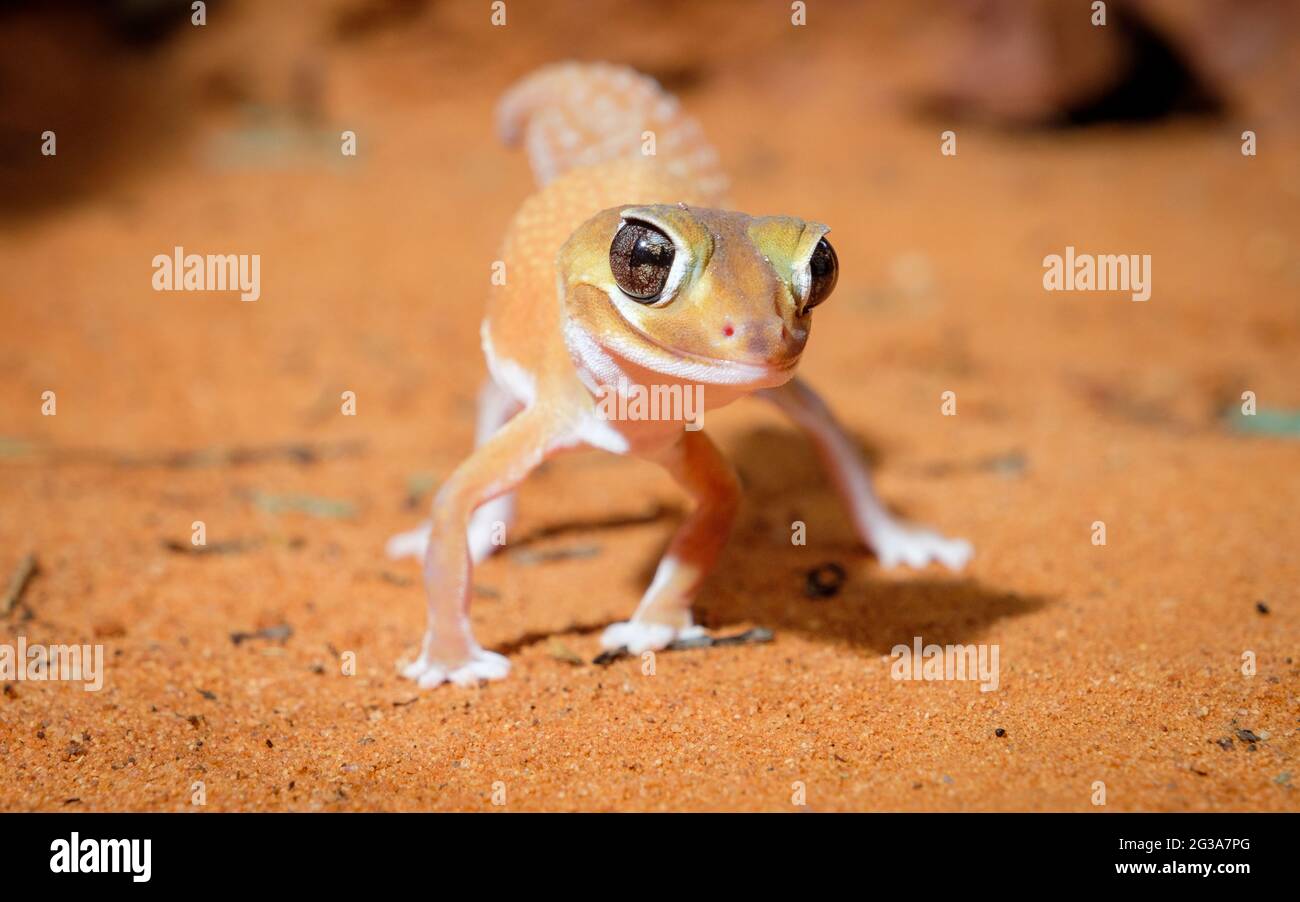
<point x="622" y="270"/>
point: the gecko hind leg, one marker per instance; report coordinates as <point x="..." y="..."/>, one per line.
<point x="449" y="651"/>
<point x="495" y="408"/>
<point x="664" y="613"/>
<point x="893" y="541"/>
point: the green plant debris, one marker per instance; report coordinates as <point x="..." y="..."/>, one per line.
<point x="1284" y="423"/>
<point x="304" y="504"/>
<point x="15" y="447"/>
<point x="417" y="486"/>
<point x="562" y="652"/>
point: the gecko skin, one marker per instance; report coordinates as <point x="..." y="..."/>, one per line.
<point x="623" y="271"/>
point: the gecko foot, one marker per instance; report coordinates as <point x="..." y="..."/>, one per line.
<point x="916" y="546"/>
<point x="411" y="543"/>
<point x="482" y="665"/>
<point x="637" y="636"/>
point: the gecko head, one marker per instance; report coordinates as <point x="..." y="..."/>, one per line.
<point x="709" y="295"/>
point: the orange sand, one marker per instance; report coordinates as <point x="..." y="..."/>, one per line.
<point x="1120" y="663"/>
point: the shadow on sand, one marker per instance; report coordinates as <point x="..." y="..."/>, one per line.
<point x="762" y="579"/>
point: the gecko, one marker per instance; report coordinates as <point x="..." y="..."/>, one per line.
<point x="625" y="269"/>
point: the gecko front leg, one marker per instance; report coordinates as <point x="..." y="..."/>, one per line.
<point x="495" y="408"/>
<point x="664" y="613"/>
<point x="449" y="652"/>
<point x="893" y="541"/>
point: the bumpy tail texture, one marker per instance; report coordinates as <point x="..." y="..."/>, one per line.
<point x="570" y="115"/>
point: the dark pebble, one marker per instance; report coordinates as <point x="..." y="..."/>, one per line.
<point x="825" y="581"/>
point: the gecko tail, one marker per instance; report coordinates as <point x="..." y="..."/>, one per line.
<point x="570" y="115"/>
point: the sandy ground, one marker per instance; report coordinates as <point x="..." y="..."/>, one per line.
<point x="1120" y="663"/>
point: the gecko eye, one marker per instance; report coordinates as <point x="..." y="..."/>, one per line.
<point x="823" y="272"/>
<point x="641" y="258"/>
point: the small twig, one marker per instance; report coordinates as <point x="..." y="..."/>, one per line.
<point x="749" y="637"/>
<point x="530" y="556"/>
<point x="275" y="633"/>
<point x="18" y="584"/>
<point x="757" y="634"/>
<point x="231" y="547"/>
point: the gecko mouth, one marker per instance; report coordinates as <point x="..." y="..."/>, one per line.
<point x="598" y="331"/>
<point x="701" y="367"/>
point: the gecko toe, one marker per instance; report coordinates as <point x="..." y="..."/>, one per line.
<point x="637" y="637"/>
<point x="486" y="665"/>
<point x="918" y="547"/>
<point x="482" y="665"/>
<point x="411" y="543"/>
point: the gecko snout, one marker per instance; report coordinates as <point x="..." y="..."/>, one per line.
<point x="765" y="340"/>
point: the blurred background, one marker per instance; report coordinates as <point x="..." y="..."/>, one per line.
<point x="225" y="139"/>
<point x="1072" y="407"/>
